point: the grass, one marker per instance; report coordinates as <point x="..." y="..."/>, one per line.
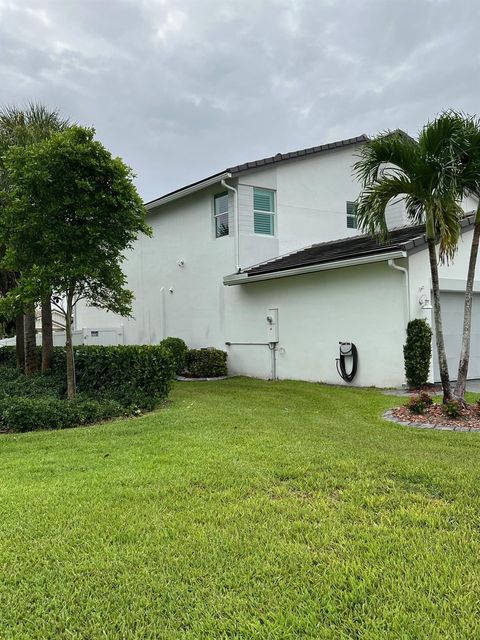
<point x="244" y="509"/>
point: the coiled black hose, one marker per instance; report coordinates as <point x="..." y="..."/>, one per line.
<point x="342" y="371"/>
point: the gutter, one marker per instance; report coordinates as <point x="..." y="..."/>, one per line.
<point x="236" y="223"/>
<point x="198" y="186"/>
<point x="397" y="267"/>
<point x="243" y="278"/>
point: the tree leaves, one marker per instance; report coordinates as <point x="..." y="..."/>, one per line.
<point x="70" y="213"/>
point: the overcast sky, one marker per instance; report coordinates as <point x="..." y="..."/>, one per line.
<point x="184" y="88"/>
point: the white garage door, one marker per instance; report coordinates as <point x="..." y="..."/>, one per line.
<point x="452" y="316"/>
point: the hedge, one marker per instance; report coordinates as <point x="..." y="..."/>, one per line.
<point x="207" y="363"/>
<point x="135" y="375"/>
<point x="417" y="352"/>
<point x="30" y="414"/>
<point x="14" y="384"/>
<point x="125" y="371"/>
<point x="111" y="381"/>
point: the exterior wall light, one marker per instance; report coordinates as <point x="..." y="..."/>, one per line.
<point x="424" y="301"/>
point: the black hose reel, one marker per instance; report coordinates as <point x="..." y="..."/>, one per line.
<point x="347" y="350"/>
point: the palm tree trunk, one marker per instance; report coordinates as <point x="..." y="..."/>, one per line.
<point x="47" y="335"/>
<point x="20" y="342"/>
<point x="467" y="314"/>
<point x="71" y="386"/>
<point x="437" y="316"/>
<point x="30" y="343"/>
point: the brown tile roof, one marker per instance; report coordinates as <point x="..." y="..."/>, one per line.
<point x="263" y="162"/>
<point x="402" y="239"/>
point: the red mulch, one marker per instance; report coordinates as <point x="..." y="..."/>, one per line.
<point x="470" y="416"/>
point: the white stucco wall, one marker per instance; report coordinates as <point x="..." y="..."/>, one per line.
<point x="311" y="197"/>
<point x="362" y="304"/>
<point x="191" y="302"/>
<point x="184" y="301"/>
<point x="452" y="277"/>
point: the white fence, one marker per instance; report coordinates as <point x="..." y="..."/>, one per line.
<point x="104" y="336"/>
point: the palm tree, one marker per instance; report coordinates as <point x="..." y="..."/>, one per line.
<point x="469" y="181"/>
<point x="422" y="173"/>
<point x="23" y="127"/>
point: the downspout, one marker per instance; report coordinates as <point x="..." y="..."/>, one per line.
<point x="393" y="265"/>
<point x="236" y="224"/>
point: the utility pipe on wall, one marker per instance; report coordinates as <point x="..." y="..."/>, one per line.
<point x="393" y="265"/>
<point x="273" y="351"/>
<point x="236" y="223"/>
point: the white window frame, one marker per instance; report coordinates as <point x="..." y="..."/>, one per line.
<point x="217" y="216"/>
<point x="351" y="217"/>
<point x="272" y="214"/>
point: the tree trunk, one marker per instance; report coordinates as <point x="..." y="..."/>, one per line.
<point x="467" y="314"/>
<point x="437" y="316"/>
<point x="30" y="343"/>
<point x="20" y="342"/>
<point x="71" y="387"/>
<point x="47" y="335"/>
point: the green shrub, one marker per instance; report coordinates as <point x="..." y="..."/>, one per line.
<point x="135" y="399"/>
<point x="452" y="409"/>
<point x="426" y="398"/>
<point x="207" y="363"/>
<point x="418" y="404"/>
<point x="417" y="352"/>
<point x="148" y="369"/>
<point x="14" y="383"/>
<point x="9" y="375"/>
<point x="178" y="349"/>
<point x="110" y="381"/>
<point x="109" y="371"/>
<point x="30" y="414"/>
<point x="8" y="357"/>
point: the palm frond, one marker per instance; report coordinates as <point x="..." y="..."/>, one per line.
<point x="390" y="148"/>
<point x="375" y="197"/>
<point x="469" y="157"/>
<point x="24" y="126"/>
<point x="442" y="143"/>
<point x="446" y="219"/>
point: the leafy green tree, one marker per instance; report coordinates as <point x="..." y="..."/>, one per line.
<point x="71" y="211"/>
<point x="423" y="173"/>
<point x="23" y="127"/>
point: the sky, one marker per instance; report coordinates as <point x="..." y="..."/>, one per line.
<point x="181" y="89"/>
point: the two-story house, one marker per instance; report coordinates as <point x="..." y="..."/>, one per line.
<point x="265" y="260"/>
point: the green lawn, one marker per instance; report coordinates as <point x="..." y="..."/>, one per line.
<point x="244" y="509"/>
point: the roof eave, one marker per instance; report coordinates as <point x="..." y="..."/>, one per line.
<point x="181" y="193"/>
<point x="243" y="278"/>
<point x="254" y="166"/>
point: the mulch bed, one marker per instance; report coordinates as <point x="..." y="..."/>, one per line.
<point x="434" y="418"/>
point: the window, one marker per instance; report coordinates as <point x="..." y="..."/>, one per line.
<point x="264" y="211"/>
<point x="352" y="215"/>
<point x="220" y="214"/>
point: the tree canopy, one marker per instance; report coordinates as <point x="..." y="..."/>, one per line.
<point x="71" y="211"/>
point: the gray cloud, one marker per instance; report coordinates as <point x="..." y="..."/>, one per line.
<point x="183" y="88"/>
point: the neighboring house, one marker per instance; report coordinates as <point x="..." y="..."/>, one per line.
<point x="265" y="260"/>
<point x="58" y="320"/>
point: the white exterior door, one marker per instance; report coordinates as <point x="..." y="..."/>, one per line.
<point x="452" y="319"/>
